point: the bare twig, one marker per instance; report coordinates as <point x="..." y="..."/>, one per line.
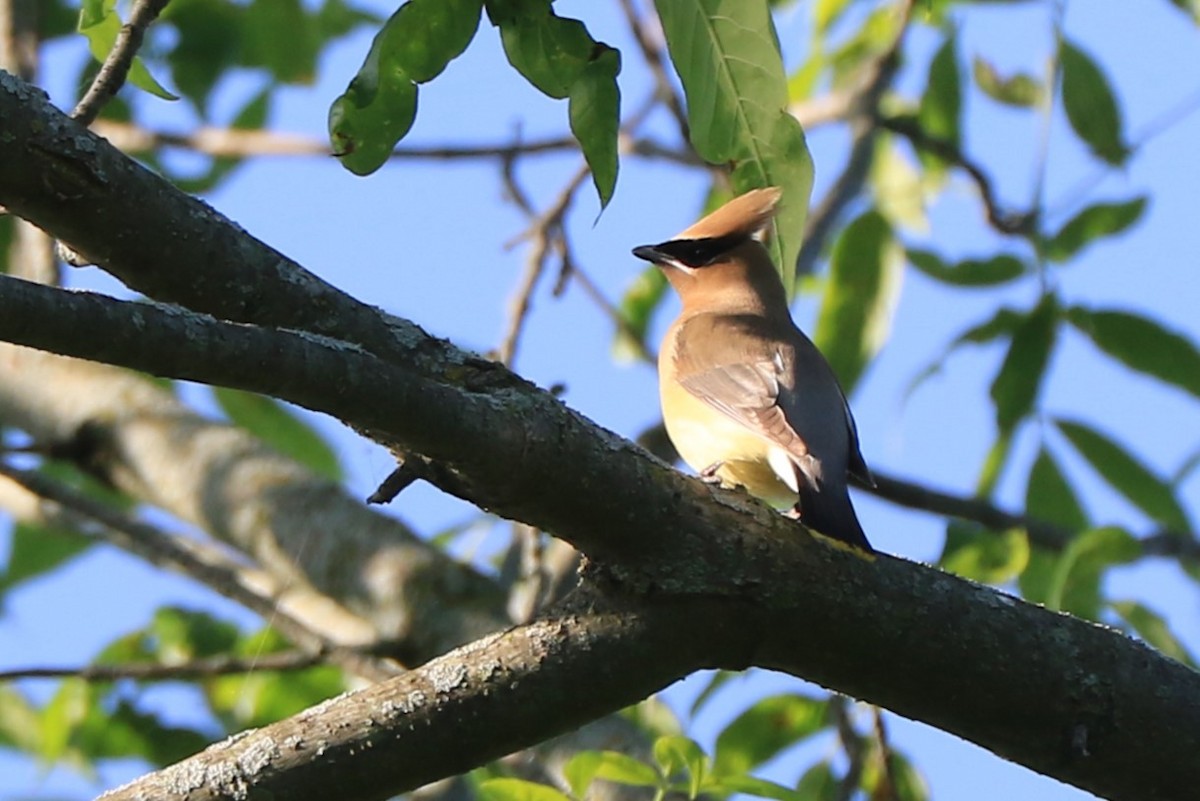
<point x="862" y="108"/>
<point x="852" y="743"/>
<point x="652" y="53"/>
<point x="1021" y="224"/>
<point x="546" y="235"/>
<point x="151" y="671"/>
<point x="219" y="574"/>
<point x="115" y="69"/>
<point x="885" y="790"/>
<point x="248" y="143"/>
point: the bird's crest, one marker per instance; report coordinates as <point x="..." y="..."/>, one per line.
<point x="743" y="216"/>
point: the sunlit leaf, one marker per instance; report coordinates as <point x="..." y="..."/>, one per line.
<point x="100" y="23"/>
<point x="940" y="110"/>
<point x="642" y="297"/>
<point x="1020" y="89"/>
<point x="517" y="790"/>
<point x="621" y="768"/>
<point x="1142" y="344"/>
<point x="819" y="784"/>
<point x="1094" y="222"/>
<point x="274" y="424"/>
<point x="860" y="296"/>
<point x="674" y="753"/>
<point x="1075" y="585"/>
<point x="1091" y="105"/>
<point x="727" y="55"/>
<point x="1015" y="388"/>
<point x="766" y="728"/>
<point x="759" y="788"/>
<point x="901" y="782"/>
<point x="896" y="187"/>
<point x="1048" y="497"/>
<point x="991" y="557"/>
<point x="1189" y="7"/>
<point x="1126" y="474"/>
<point x="20" y="723"/>
<point x="998" y="269"/>
<point x="595" y="114"/>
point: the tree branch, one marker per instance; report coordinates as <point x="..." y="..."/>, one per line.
<point x="709" y="577"/>
<point x="115" y="69"/>
<point x="165" y="550"/>
<point x="150" y="671"/>
<point x="665" y="539"/>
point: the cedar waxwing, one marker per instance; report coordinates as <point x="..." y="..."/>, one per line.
<point x="747" y="398"/>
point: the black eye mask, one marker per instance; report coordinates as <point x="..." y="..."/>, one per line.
<point x="690" y="252"/>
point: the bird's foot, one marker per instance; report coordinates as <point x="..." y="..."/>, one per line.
<point x="794" y="513"/>
<point x="709" y="474"/>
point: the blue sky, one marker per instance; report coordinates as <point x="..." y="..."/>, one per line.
<point x="425" y="240"/>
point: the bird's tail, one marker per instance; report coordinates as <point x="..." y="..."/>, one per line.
<point x="831" y="513"/>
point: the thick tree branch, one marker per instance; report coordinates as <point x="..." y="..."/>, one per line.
<point x="664" y="538"/>
<point x="1062" y="696"/>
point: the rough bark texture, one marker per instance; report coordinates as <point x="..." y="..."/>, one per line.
<point x="684" y="576"/>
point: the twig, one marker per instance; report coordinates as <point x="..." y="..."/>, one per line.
<point x="885" y="790"/>
<point x="852" y="743"/>
<point x="1020" y="224"/>
<point x="546" y="235"/>
<point x="163" y="549"/>
<point x="863" y="111"/>
<point x="245" y="143"/>
<point x="652" y="54"/>
<point x="150" y="671"/>
<point x="115" y="69"/>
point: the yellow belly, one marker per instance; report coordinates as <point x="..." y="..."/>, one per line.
<point x="704" y="436"/>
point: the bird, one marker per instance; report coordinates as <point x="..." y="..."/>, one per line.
<point x="747" y="399"/>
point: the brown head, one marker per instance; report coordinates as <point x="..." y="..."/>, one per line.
<point x="719" y="264"/>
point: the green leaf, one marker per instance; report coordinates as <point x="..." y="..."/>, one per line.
<point x="1075" y="586"/>
<point x="860" y="296"/>
<point x="595" y="115"/>
<point x="1141" y="344"/>
<point x="614" y="766"/>
<point x="727" y="55"/>
<point x="761" y="788"/>
<point x="127" y="732"/>
<point x="819" y="784"/>
<point x="902" y="782"/>
<point x="1152" y="627"/>
<point x="69" y="706"/>
<point x="1127" y="475"/>
<point x="896" y="187"/>
<point x="642" y="297"/>
<point x="517" y="790"/>
<point x="990" y="557"/>
<point x="210" y="39"/>
<point x="1002" y="324"/>
<point x="766" y="728"/>
<point x="376" y="110"/>
<point x="718" y="680"/>
<point x="941" y="105"/>
<point x="274" y="424"/>
<point x="999" y="269"/>
<point x="100" y="23"/>
<point x="38" y="549"/>
<point x="549" y="50"/>
<point x="1021" y="90"/>
<point x="1189" y="7"/>
<point x="1091" y="105"/>
<point x="279" y="36"/>
<point x="1048" y="497"/>
<point x="580" y="770"/>
<point x="432" y="33"/>
<point x="20" y="722"/>
<point x="1015" y="388"/>
<point x="1094" y="222"/>
<point x="183" y="635"/>
<point x="675" y="752"/>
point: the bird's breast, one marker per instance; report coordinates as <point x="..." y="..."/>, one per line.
<point x="704" y="436"/>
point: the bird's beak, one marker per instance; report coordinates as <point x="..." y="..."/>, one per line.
<point x="651" y="253"/>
